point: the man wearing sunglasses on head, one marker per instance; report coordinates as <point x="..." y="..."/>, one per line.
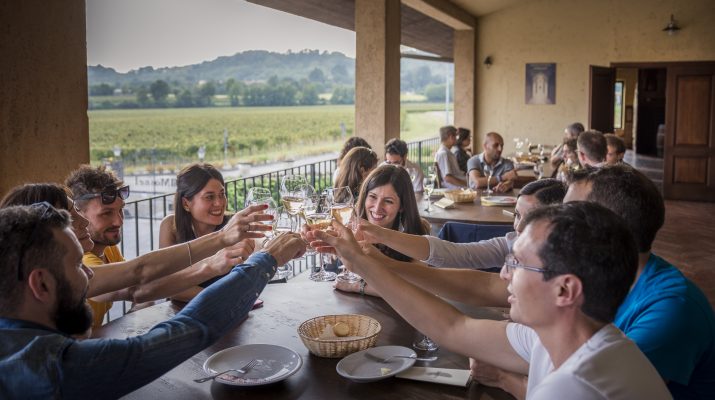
<point x="99" y="195"/>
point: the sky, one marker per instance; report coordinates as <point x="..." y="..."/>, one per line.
<point x="128" y="34"/>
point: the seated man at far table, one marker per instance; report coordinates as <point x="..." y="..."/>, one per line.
<point x="44" y="286"/>
<point x="591" y="149"/>
<point x="563" y="297"/>
<point x="489" y="168"/>
<point x="396" y="154"/>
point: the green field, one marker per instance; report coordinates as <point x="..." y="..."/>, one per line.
<point x="256" y="134"/>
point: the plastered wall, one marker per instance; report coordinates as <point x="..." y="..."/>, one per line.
<point x="575" y="34"/>
<point x="43" y="90"/>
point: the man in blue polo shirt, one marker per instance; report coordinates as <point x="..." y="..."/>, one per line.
<point x="489" y="168"/>
<point x="667" y="315"/>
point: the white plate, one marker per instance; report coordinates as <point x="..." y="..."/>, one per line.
<point x="274" y="364"/>
<point x="364" y="366"/>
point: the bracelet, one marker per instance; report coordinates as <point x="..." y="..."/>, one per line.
<point x="362" y="287"/>
<point x="188" y="246"/>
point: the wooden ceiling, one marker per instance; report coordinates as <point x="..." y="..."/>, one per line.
<point x="418" y="30"/>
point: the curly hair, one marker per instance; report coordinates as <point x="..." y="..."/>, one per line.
<point x="87" y="179"/>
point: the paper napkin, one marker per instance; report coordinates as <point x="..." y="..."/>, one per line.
<point x="455" y="377"/>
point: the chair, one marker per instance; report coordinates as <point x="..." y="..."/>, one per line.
<point x="459" y="232"/>
<point x="440" y="182"/>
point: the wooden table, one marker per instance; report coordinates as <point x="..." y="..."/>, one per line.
<point x="473" y="213"/>
<point x="286" y="306"/>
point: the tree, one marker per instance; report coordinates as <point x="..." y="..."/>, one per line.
<point x="159" y="91"/>
<point x="142" y="96"/>
<point x="343" y="95"/>
<point x="205" y="93"/>
<point x="340" y="74"/>
<point x="436" y="92"/>
<point x="317" y="76"/>
<point x="185" y="99"/>
<point x="308" y="96"/>
<point x="102" y="89"/>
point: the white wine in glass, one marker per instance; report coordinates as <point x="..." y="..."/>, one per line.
<point x="428" y="185"/>
<point x="292" y="204"/>
<point x="342" y="214"/>
<point x="321" y="222"/>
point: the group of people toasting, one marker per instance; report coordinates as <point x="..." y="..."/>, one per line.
<point x="593" y="313"/>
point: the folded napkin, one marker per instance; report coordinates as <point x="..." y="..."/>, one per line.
<point x="455" y="377"/>
<point x="444" y="203"/>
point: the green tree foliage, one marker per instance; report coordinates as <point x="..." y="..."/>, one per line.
<point x="343" y="95"/>
<point x="436" y="92"/>
<point x="102" y="89"/>
<point x="142" y="96"/>
<point x="159" y="91"/>
<point x="340" y="74"/>
<point x="317" y="76"/>
<point x="204" y="94"/>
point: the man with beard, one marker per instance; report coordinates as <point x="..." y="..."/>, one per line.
<point x="490" y="166"/>
<point x="44" y="284"/>
<point x="99" y="196"/>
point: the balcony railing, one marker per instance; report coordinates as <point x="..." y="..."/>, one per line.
<point x="140" y="231"/>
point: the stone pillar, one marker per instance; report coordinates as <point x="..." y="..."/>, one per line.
<point x="44" y="131"/>
<point x="465" y="78"/>
<point x="377" y="71"/>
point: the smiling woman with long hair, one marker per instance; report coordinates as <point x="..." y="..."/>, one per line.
<point x="199" y="209"/>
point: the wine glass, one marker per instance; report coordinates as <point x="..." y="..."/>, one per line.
<point x="412" y="172"/>
<point x="320" y="221"/>
<point x="293" y="194"/>
<point x="341" y="202"/>
<point x="282" y="222"/>
<point x="257" y="195"/>
<point x="488" y="170"/>
<point x="425" y="343"/>
<point x="428" y="185"/>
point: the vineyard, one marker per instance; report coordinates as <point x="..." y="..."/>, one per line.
<point x="255" y="134"/>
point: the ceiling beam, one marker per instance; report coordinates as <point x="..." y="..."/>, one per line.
<point x="445" y="12"/>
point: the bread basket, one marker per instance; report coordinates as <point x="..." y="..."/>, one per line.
<point x="461" y="196"/>
<point x="362" y="335"/>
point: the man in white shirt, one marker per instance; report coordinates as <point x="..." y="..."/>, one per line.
<point x="563" y="296"/>
<point x="396" y="154"/>
<point x="452" y="177"/>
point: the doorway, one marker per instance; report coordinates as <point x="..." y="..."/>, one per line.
<point x="670" y="117"/>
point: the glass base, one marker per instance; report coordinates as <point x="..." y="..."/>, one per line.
<point x="323" y="276"/>
<point x="425" y="344"/>
<point x="349" y="277"/>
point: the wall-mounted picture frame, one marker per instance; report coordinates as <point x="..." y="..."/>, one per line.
<point x="540" y="83"/>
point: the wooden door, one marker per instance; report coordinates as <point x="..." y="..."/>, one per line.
<point x="602" y="96"/>
<point x="690" y="132"/>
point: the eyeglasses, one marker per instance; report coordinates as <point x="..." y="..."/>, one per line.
<point x="511" y="263"/>
<point x="108" y="195"/>
<point x="47" y="212"/>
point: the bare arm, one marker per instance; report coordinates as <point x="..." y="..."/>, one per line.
<point x="479" y="180"/>
<point x="455" y="181"/>
<point x="426" y="312"/>
<point x="489" y="375"/>
<point x="413" y="246"/>
<point x="150" y="266"/>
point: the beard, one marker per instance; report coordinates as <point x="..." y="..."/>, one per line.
<point x="72" y="317"/>
<point x="103" y="240"/>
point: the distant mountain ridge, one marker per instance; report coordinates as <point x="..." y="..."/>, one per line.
<point x="247" y="66"/>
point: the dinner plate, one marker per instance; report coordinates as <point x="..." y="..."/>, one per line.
<point x="499" y="201"/>
<point x="273" y="364"/>
<point x="365" y="366"/>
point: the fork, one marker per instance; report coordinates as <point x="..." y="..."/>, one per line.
<point x="412" y="357"/>
<point x="241" y="370"/>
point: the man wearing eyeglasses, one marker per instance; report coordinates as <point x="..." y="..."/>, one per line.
<point x="99" y="195"/>
<point x="396" y="154"/>
<point x="570" y="270"/>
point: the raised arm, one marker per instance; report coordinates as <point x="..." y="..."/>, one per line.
<point x="431" y="315"/>
<point x="153" y="265"/>
<point x="413" y="246"/>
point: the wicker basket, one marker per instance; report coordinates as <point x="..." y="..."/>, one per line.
<point x="461" y="196"/>
<point x="360" y="325"/>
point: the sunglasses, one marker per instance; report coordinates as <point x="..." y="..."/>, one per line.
<point x="108" y="195"/>
<point x="47" y="212"/>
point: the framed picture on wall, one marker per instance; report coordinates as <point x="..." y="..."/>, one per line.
<point x="540" y="87"/>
